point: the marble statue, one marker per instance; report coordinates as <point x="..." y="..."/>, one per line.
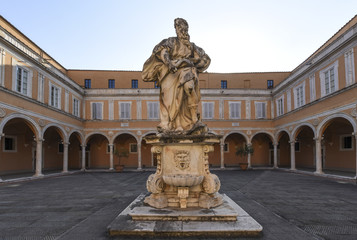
<point x="174" y="65"/>
<point x="182" y="178"/>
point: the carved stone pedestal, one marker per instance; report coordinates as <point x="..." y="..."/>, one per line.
<point x="183" y="179"/>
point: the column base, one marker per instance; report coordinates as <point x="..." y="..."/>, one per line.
<point x="38" y="175"/>
<point x="318" y="172"/>
<point x="111" y="169"/>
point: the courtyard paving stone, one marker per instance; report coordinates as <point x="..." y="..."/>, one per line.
<point x="81" y="206"/>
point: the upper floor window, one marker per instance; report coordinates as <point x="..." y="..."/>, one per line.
<point x="153" y="110"/>
<point x="125" y="110"/>
<point x="111" y="83"/>
<point x="97" y="111"/>
<point x="299" y="94"/>
<point x="223" y="84"/>
<point x="312" y="88"/>
<point x="87" y="83"/>
<point x="208" y="110"/>
<point x="55" y="96"/>
<point x="270" y="84"/>
<point x="329" y="79"/>
<point x="234" y="110"/>
<point x="22" y="76"/>
<point x="349" y="66"/>
<point x="75" y="107"/>
<point x="260" y="110"/>
<point x="134" y="83"/>
<point x="280" y="106"/>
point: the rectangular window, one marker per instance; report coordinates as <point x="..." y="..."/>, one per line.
<point x="234" y="110"/>
<point x="55" y="96"/>
<point x="153" y="110"/>
<point x="125" y="110"/>
<point x="133" y="148"/>
<point x="75" y="107"/>
<point x="329" y="79"/>
<point x="299" y="92"/>
<point x="87" y="83"/>
<point x="226" y="147"/>
<point x="223" y="84"/>
<point x="297" y="146"/>
<point x="260" y="110"/>
<point x="349" y="66"/>
<point x="21" y="80"/>
<point x="270" y="84"/>
<point x="9" y="144"/>
<point x="97" y="111"/>
<point x="208" y="110"/>
<point x="111" y="83"/>
<point x="60" y="148"/>
<point x="134" y="83"/>
<point x="346" y="142"/>
<point x="280" y="106"/>
<point x="312" y="88"/>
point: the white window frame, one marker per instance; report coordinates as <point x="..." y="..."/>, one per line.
<point x="41" y="88"/>
<point x="350" y="67"/>
<point x="58" y="105"/>
<point x="299" y="95"/>
<point x="231" y="114"/>
<point x="342" y="142"/>
<point x="18" y="65"/>
<point x="334" y="68"/>
<point x="23" y="90"/>
<point x="207" y="110"/>
<point x="121" y="106"/>
<point x="226" y="150"/>
<point x="263" y="107"/>
<point x="14" y="138"/>
<point x="153" y="110"/>
<point x="279" y="109"/>
<point x="99" y="105"/>
<point x="76" y="109"/>
<point x="312" y="83"/>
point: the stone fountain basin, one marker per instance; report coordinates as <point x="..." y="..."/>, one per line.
<point x="183" y="180"/>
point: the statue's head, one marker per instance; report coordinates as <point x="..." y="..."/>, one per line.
<point x="181" y="27"/>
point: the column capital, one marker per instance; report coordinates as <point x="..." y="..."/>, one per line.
<point x="40" y="139"/>
<point x="139" y="144"/>
<point x="84" y="145"/>
<point x="66" y="143"/>
<point x="317" y="139"/>
<point x="276" y="143"/>
<point x="292" y="142"/>
<point x="110" y="144"/>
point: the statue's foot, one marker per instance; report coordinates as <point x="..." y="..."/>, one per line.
<point x="179" y="129"/>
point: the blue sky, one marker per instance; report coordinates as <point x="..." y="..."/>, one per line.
<point x="239" y="36"/>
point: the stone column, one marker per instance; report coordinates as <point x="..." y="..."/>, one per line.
<point x="111" y="157"/>
<point x="292" y="155"/>
<point x="139" y="157"/>
<point x="65" y="157"/>
<point x="83" y="157"/>
<point x="222" y="153"/>
<point x="249" y="157"/>
<point x="355" y="134"/>
<point x="38" y="172"/>
<point x="276" y="155"/>
<point x="318" y="156"/>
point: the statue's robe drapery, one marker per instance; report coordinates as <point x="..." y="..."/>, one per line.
<point x="174" y="103"/>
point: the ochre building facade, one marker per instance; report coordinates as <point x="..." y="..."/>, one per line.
<point x="58" y="119"/>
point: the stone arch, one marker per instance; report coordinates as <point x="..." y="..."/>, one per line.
<point x="145" y="134"/>
<point x="124" y="132"/>
<point x="298" y="128"/>
<point x="79" y="134"/>
<point x="265" y="132"/>
<point x="87" y="137"/>
<point x="61" y="131"/>
<point x="32" y="123"/>
<point x="278" y="133"/>
<point x="238" y="132"/>
<point x="325" y="122"/>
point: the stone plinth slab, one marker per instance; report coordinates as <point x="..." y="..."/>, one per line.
<point x="188" y="222"/>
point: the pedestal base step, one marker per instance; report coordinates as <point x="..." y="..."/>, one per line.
<point x="226" y="220"/>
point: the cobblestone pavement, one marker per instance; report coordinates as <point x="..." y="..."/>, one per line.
<point x="81" y="206"/>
